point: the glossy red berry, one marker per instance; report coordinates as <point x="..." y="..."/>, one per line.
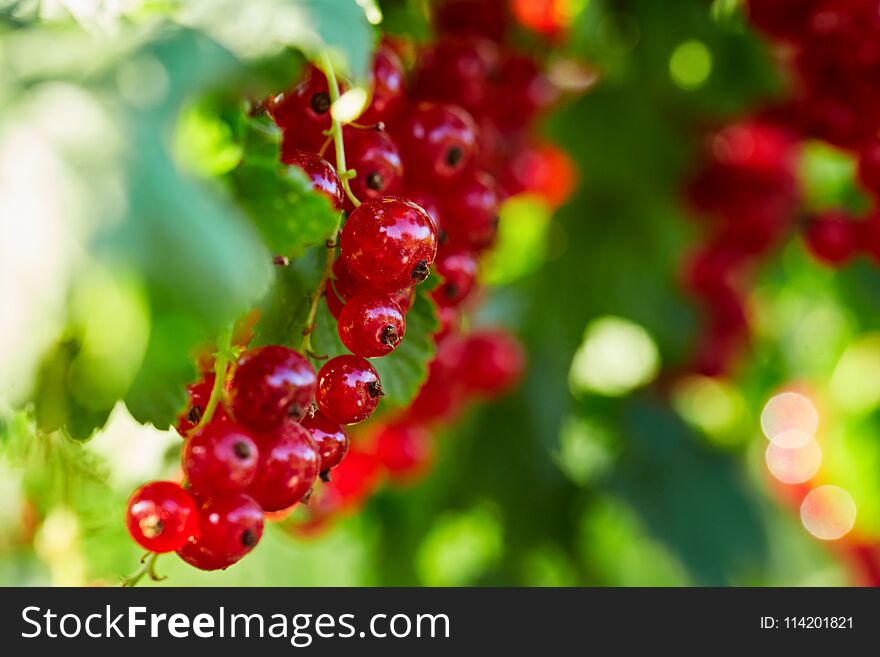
<point x="426" y="200"/>
<point x="321" y="174"/>
<point x="348" y="389"/>
<point x="371" y="325"/>
<point x="220" y="457"/>
<point x="487" y="18"/>
<point x="389" y="244"/>
<point x="437" y="140"/>
<point x="458" y="71"/>
<point x="869" y="167"/>
<point x="271" y="384"/>
<point x="389" y="87"/>
<point x="330" y="439"/>
<point x="199" y="393"/>
<point x="406" y="450"/>
<point x="288" y="467"/>
<point x="470" y="210"/>
<point x="162" y="517"/>
<point x="523" y="92"/>
<point x="493" y="362"/>
<point x="303" y="112"/>
<point x="230" y="527"/>
<point x="459" y="272"/>
<point x="343" y="286"/>
<point x="375" y="158"/>
<point x="831" y="238"/>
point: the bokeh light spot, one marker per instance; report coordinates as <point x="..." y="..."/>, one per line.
<point x="789" y="419"/>
<point x="349" y="105"/>
<point x="794" y="466"/>
<point x="828" y="512"/>
<point x="616" y="356"/>
<point x="690" y="64"/>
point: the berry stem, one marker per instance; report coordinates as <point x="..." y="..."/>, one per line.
<point x="147" y="567"/>
<point x="336" y="130"/>
<point x="221" y="365"/>
<point x="345" y="175"/>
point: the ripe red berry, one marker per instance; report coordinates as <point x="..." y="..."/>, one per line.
<point x="320" y="172"/>
<point x="348" y="389"/>
<point x="343" y="286"/>
<point x="869" y="167"/>
<point x="427" y="202"/>
<point x="437" y="140"/>
<point x="441" y="396"/>
<point x="459" y="271"/>
<point x="199" y="394"/>
<point x="493" y="362"/>
<point x="230" y="525"/>
<point x="371" y="325"/>
<point x="831" y="238"/>
<point x="220" y="457"/>
<point x="487" y="18"/>
<point x="523" y="92"/>
<point x="161" y="516"/>
<point x="389" y="244"/>
<point x="406" y="450"/>
<point x="288" y="467"/>
<point x="389" y="87"/>
<point x="304" y="111"/>
<point x="271" y="384"/>
<point x="470" y="210"/>
<point x="449" y="317"/>
<point x="330" y="439"/>
<point x="458" y="71"/>
<point x="374" y="156"/>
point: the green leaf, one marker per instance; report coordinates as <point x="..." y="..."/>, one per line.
<point x="404" y="370"/>
<point x="278" y="199"/>
<point x="261" y="28"/>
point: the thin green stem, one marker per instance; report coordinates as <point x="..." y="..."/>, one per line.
<point x="147" y="568"/>
<point x="336" y="129"/>
<point x="345" y="175"/>
<point x="221" y="364"/>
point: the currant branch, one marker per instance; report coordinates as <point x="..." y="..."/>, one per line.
<point x="222" y="358"/>
<point x="345" y="175"/>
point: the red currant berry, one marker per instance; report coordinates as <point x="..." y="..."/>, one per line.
<point x="374" y="156"/>
<point x="344" y="287"/>
<point x="220" y="457"/>
<point x="437" y="140"/>
<point x="162" y="516"/>
<point x="406" y="450"/>
<point x="230" y="525"/>
<point x="459" y="272"/>
<point x="348" y="389"/>
<point x="427" y="202"/>
<point x="389" y="86"/>
<point x="869" y="167"/>
<point x="543" y="169"/>
<point x="487" y="18"/>
<point x="199" y="394"/>
<point x="330" y="439"/>
<point x="869" y="235"/>
<point x="449" y="320"/>
<point x="371" y="325"/>
<point x="321" y="174"/>
<point x="440" y="397"/>
<point x="304" y="111"/>
<point x="289" y="463"/>
<point x="389" y="244"/>
<point x="831" y="238"/>
<point x="470" y="211"/>
<point x="459" y="71"/>
<point x="493" y="362"/>
<point x="355" y="478"/>
<point x="523" y="92"/>
<point x="271" y="384"/>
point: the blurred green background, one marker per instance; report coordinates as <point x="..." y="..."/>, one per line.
<point x="587" y="475"/>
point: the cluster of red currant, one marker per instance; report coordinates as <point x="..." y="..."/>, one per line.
<point x="420" y="177"/>
<point x="748" y="185"/>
